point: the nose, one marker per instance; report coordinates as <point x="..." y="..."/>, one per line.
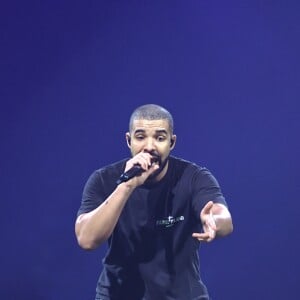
<point x="149" y="145"/>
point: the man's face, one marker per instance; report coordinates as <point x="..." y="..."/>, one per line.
<point x="152" y="136"/>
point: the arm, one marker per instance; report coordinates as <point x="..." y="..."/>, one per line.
<point x="216" y="221"/>
<point x="95" y="227"/>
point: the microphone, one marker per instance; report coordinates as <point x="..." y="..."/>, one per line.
<point x="134" y="171"/>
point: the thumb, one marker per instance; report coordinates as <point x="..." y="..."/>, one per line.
<point x="206" y="209"/>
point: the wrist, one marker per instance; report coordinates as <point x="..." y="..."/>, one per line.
<point x="126" y="187"/>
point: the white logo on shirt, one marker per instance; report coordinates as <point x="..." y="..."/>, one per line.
<point x="169" y="221"/>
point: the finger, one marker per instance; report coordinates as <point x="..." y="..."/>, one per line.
<point x="206" y="209"/>
<point x="211" y="229"/>
<point x="203" y="237"/>
<point x="152" y="169"/>
<point x="208" y="232"/>
<point x="144" y="175"/>
<point x="146" y="159"/>
<point x="139" y="160"/>
<point x="210" y="222"/>
<point x="212" y="234"/>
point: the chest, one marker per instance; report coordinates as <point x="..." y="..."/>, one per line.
<point x="158" y="210"/>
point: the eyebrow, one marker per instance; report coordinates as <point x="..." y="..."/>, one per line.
<point x="159" y="131"/>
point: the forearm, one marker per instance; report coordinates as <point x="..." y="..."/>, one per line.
<point x="95" y="227"/>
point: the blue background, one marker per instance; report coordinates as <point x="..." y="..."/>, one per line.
<point x="71" y="74"/>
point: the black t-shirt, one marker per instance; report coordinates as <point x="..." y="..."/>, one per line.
<point x="152" y="254"/>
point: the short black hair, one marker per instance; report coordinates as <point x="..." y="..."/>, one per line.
<point x="151" y="112"/>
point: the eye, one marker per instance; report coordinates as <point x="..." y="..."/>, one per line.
<point x="139" y="137"/>
<point x="161" y="138"/>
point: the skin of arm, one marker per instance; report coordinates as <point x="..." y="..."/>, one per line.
<point x="216" y="221"/>
<point x="94" y="228"/>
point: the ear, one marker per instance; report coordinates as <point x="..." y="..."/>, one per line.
<point x="128" y="139"/>
<point x="173" y="141"/>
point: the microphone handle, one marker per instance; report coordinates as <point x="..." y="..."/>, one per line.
<point x="132" y="172"/>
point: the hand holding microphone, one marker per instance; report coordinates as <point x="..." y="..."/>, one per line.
<point x="141" y="163"/>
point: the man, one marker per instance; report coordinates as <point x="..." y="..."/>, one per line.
<point x="153" y="209"/>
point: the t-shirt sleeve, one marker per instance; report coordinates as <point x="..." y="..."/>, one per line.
<point x="205" y="188"/>
<point x="93" y="193"/>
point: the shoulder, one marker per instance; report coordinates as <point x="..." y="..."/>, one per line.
<point x="188" y="166"/>
<point x="107" y="174"/>
<point x="192" y="172"/>
<point x="111" y="169"/>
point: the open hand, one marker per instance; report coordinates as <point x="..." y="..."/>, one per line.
<point x="208" y="223"/>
